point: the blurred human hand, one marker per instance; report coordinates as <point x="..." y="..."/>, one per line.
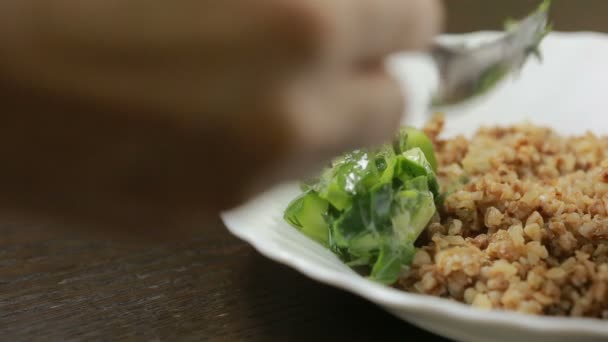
<point x="136" y="114"/>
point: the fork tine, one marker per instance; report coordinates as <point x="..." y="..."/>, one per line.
<point x="465" y="73"/>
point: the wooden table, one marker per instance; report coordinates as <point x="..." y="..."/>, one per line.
<point x="56" y="288"/>
<point x="566" y="15"/>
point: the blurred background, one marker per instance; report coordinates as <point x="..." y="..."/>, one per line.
<point x="568" y="15"/>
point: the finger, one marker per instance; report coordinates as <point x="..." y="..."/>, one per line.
<point x="364" y="29"/>
<point x="374" y="104"/>
<point x="359" y="111"/>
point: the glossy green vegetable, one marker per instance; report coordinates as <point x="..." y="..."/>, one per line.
<point x="305" y="212"/>
<point x="409" y="138"/>
<point x="370" y="206"/>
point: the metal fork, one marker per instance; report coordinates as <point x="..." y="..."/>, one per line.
<point x="465" y="73"/>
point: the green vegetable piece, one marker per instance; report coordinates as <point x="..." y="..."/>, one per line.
<point x="416" y="156"/>
<point x="408" y="252"/>
<point x="339" y="183"/>
<point x="335" y="194"/>
<point x="419" y="184"/>
<point x="352" y="223"/>
<point x="388" y="266"/>
<point x="413" y="163"/>
<point x="511" y="24"/>
<point x="391" y="260"/>
<point x="385" y="161"/>
<point x="369" y="214"/>
<point x="407" y="169"/>
<point x="412" y="212"/>
<point x="366" y="213"/>
<point x="381" y="200"/>
<point x="358" y="262"/>
<point x="410" y="137"/>
<point x="490" y="77"/>
<point x="365" y="246"/>
<point x="306" y="214"/>
<point x="370" y="206"/>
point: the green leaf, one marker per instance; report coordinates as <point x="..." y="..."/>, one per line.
<point x="353" y="222"/>
<point x="391" y="260"/>
<point x="365" y="246"/>
<point x="370" y="206"/>
<point x="491" y="77"/>
<point x="412" y="212"/>
<point x="306" y="213"/>
<point x="410" y="137"/>
<point x="510" y="24"/>
<point x="388" y="266"/>
<point x="381" y="200"/>
<point x="414" y="164"/>
<point x="544" y="6"/>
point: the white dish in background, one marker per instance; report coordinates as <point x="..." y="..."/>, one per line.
<point x="568" y="91"/>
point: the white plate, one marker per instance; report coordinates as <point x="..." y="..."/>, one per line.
<point x="568" y="92"/>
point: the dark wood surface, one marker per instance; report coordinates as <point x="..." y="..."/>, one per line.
<point x="566" y="15"/>
<point x="54" y="286"/>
